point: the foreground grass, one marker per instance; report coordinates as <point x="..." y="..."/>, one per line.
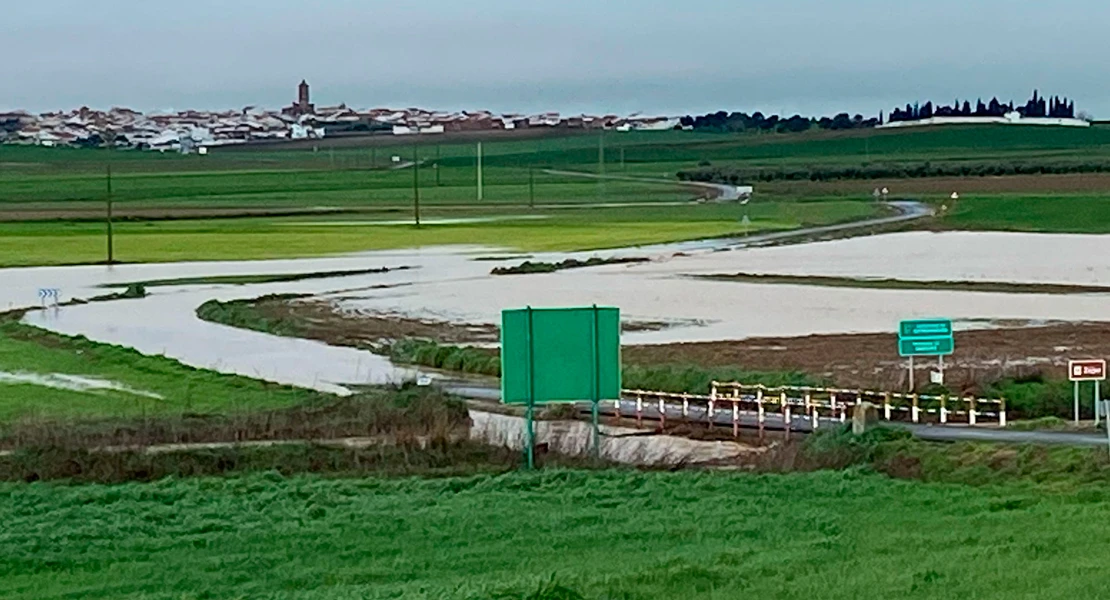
<point x="262" y="238"/>
<point x="28" y="350"/>
<point x="553" y="534"/>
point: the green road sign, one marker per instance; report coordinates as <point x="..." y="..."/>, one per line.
<point x="938" y="346"/>
<point x="925" y="328"/>
<point x="560" y="355"/>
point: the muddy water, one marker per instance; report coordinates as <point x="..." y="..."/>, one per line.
<point x="618" y="444"/>
<point x="445" y="283"/>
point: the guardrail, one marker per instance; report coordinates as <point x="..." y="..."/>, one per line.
<point x="815" y="404"/>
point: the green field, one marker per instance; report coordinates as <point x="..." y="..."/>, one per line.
<point x="27" y="350"/>
<point x="1073" y="213"/>
<point x="357" y="172"/>
<point x="52" y="200"/>
<point x="29" y="243"/>
<point x="555" y="534"/>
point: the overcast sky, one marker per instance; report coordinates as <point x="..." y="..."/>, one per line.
<point x="656" y="56"/>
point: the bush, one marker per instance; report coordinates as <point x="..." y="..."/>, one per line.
<point x="697" y="380"/>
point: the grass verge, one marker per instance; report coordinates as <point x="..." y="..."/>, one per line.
<point x="47" y="376"/>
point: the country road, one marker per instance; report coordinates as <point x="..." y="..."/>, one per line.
<point x="802" y="423"/>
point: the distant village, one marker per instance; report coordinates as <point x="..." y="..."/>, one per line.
<point x="196" y="130"/>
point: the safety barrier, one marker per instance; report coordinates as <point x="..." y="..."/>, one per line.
<point x="815" y="404"/>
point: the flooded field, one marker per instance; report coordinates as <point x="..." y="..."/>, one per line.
<point x="447" y="284"/>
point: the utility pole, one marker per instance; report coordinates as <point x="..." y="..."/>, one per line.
<point x="532" y="187"/>
<point x="480" y="171"/>
<point x="601" y="153"/>
<point x="601" y="165"/>
<point x="111" y="249"/>
<point x="415" y="186"/>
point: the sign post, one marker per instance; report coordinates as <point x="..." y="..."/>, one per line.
<point x="1087" y="370"/>
<point x="560" y="355"/>
<point x="926" y="337"/>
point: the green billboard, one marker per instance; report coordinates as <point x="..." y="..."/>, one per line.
<point x="940" y="346"/>
<point x="553" y="355"/>
<point x="926" y="337"/>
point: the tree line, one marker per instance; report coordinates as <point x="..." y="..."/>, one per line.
<point x="1056" y="107"/>
<point x="741" y="175"/>
<point x="725" y="122"/>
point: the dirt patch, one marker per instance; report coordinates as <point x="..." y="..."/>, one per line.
<point x="850" y="360"/>
<point x="871" y="360"/>
<point x="323" y="320"/>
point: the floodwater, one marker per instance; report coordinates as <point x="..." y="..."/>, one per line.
<point x="446" y="283"/>
<point x="74" y="383"/>
<point x="618" y="444"/>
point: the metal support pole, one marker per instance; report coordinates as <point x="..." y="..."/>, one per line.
<point x="1107" y="408"/>
<point x="1002" y="412"/>
<point x="915" y="411"/>
<point x="662" y="415"/>
<point x="912" y="388"/>
<point x="1077" y="403"/>
<point x="972" y="416"/>
<point x="597" y="389"/>
<point x="709" y="414"/>
<point x="531" y="441"/>
<point x="735" y="419"/>
<point x="639" y="411"/>
<point x="943" y="410"/>
<point x="530" y="413"/>
<point x="886" y="406"/>
<point x="597" y="429"/>
<point x="1098" y="401"/>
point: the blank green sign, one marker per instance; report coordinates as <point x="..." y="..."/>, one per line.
<point x="560" y="355"/>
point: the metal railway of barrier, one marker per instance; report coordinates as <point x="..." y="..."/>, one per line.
<point x="804" y="408"/>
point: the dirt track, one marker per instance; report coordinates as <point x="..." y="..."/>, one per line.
<point x="861" y="360"/>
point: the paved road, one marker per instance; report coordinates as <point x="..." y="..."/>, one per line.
<point x="905" y="211"/>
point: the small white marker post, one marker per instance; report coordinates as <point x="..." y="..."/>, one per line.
<point x="1106" y="407"/>
<point x="1077" y="403"/>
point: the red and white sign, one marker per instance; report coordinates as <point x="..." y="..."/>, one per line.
<point x="1087" y="370"/>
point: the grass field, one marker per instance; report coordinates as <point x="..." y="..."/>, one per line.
<point x="53" y="198"/>
<point x="554" y="534"/>
<point x="26" y="350"/>
<point x="258" y="238"/>
<point x="356" y="172"/>
<point x="1075" y="213"/>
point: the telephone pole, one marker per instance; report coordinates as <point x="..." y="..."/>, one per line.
<point x="480" y="171"/>
<point x="415" y="185"/>
<point x="531" y="187"/>
<point x="111" y="249"/>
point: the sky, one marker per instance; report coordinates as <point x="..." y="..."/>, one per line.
<point x="597" y="56"/>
